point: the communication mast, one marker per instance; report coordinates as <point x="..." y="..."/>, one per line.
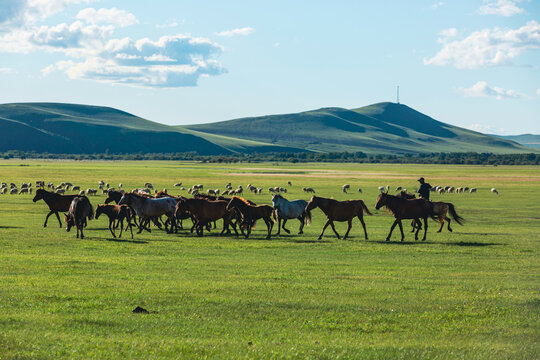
<point x="397" y="100"/>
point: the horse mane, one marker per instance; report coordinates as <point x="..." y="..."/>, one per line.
<point x="241" y="199"/>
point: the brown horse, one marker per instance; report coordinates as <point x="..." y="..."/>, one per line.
<point x="205" y="211"/>
<point x="56" y="202"/>
<point x="251" y="213"/>
<point x="79" y="210"/>
<point x="405" y="209"/>
<point x="339" y="211"/>
<point x="440" y="210"/>
<point x="116" y="213"/>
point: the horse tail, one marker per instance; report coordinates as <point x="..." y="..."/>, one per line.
<point x="366" y="210"/>
<point x="91" y="215"/>
<point x="454" y="214"/>
<point x="307" y="217"/>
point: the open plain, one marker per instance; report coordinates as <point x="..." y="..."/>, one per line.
<point x="473" y="293"/>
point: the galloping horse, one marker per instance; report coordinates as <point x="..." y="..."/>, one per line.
<point x="406" y="209"/>
<point x="79" y="209"/>
<point x="148" y="208"/>
<point x="251" y="213"/>
<point x="286" y="209"/>
<point x="56" y="203"/>
<point x="339" y="211"/>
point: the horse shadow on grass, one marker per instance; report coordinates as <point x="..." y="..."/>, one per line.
<point x="10" y="227"/>
<point x="427" y="242"/>
<point x="127" y="241"/>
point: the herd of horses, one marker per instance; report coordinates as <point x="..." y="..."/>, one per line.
<point x="141" y="210"/>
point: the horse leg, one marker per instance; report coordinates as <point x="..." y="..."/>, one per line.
<point x="47" y="218"/>
<point x="392" y="229"/>
<point x="121" y="222"/>
<point x="425" y="229"/>
<point x="301" y="219"/>
<point x="361" y="218"/>
<point x="418" y="228"/>
<point x="111" y="227"/>
<point x="269" y="226"/>
<point x="324" y="228"/>
<point x="334" y="228"/>
<point x="449" y="228"/>
<point x="283" y="226"/>
<point x="349" y="224"/>
<point x="401" y="229"/>
<point x="279" y="226"/>
<point x="58" y="217"/>
<point x="413" y="225"/>
<point x="441" y="222"/>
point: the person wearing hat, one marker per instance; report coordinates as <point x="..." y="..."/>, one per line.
<point x="424" y="189"/>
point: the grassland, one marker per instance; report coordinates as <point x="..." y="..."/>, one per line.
<point x="471" y="294"/>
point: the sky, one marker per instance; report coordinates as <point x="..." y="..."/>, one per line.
<point x="470" y="63"/>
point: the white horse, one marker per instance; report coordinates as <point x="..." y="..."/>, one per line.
<point x="149" y="208"/>
<point x="286" y="209"/>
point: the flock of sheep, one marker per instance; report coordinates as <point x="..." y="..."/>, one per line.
<point x="26" y="188"/>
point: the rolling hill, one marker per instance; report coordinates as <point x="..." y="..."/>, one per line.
<point x="379" y="128"/>
<point x="530" y="140"/>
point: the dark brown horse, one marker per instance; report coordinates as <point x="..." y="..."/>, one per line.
<point x="116" y="213"/>
<point x="205" y="211"/>
<point x="80" y="209"/>
<point x="406" y="209"/>
<point x="251" y="213"/>
<point x="56" y="202"/>
<point x="339" y="211"/>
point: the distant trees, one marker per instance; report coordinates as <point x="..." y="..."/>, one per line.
<point x="344" y="157"/>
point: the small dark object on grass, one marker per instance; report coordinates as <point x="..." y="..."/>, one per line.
<point x="140" y="310"/>
<point x="250" y="343"/>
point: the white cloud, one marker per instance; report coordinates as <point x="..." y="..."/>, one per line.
<point x="488" y="47"/>
<point x="486" y="129"/>
<point x="93" y="54"/>
<point x="538" y="92"/>
<point x="437" y="5"/>
<point x="500" y="7"/>
<point x="447" y="33"/>
<point x="482" y="89"/>
<point x="167" y="25"/>
<point x="114" y="16"/>
<point x="171" y="61"/>
<point x="240" y="31"/>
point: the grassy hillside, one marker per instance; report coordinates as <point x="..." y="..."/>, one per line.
<point x="378" y="128"/>
<point x="71" y="128"/>
<point x="530" y="140"/>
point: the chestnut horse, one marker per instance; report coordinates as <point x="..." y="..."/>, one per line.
<point x="116" y="213"/>
<point x="339" y="211"/>
<point x="251" y="213"/>
<point x="205" y="211"/>
<point x="406" y="209"/>
<point x="56" y="203"/>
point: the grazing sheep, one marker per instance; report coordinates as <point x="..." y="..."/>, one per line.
<point x="473" y="190"/>
<point x="100" y="187"/>
<point x="4" y="190"/>
<point x="148" y="185"/>
<point x="178" y="184"/>
<point x="345" y="187"/>
<point x="466" y="188"/>
<point x="398" y="188"/>
<point x="494" y="190"/>
<point x="81" y="193"/>
<point x="309" y="190"/>
<point x="289" y="183"/>
<point x="91" y="192"/>
<point x="120" y="185"/>
<point x="60" y="191"/>
<point x="13" y="191"/>
<point x="381" y="189"/>
<point x="360" y="190"/>
<point x="75" y="188"/>
<point x="23" y="191"/>
<point x="101" y="182"/>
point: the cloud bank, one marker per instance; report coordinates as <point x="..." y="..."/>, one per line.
<point x="482" y="89"/>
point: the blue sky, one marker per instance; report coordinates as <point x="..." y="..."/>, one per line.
<point x="471" y="63"/>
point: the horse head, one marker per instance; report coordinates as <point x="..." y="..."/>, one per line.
<point x="70" y="222"/>
<point x="99" y="211"/>
<point x="124" y="200"/>
<point x="39" y="195"/>
<point x="381" y="200"/>
<point x="313" y="203"/>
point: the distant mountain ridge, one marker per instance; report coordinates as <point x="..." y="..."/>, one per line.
<point x="379" y="128"/>
<point x="529" y="140"/>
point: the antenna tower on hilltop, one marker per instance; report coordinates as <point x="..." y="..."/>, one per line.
<point x="397" y="100"/>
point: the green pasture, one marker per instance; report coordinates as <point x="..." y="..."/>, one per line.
<point x="470" y="294"/>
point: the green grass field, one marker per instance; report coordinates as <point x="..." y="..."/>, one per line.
<point x="471" y="294"/>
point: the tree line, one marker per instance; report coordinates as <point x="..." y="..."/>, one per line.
<point x="465" y="158"/>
